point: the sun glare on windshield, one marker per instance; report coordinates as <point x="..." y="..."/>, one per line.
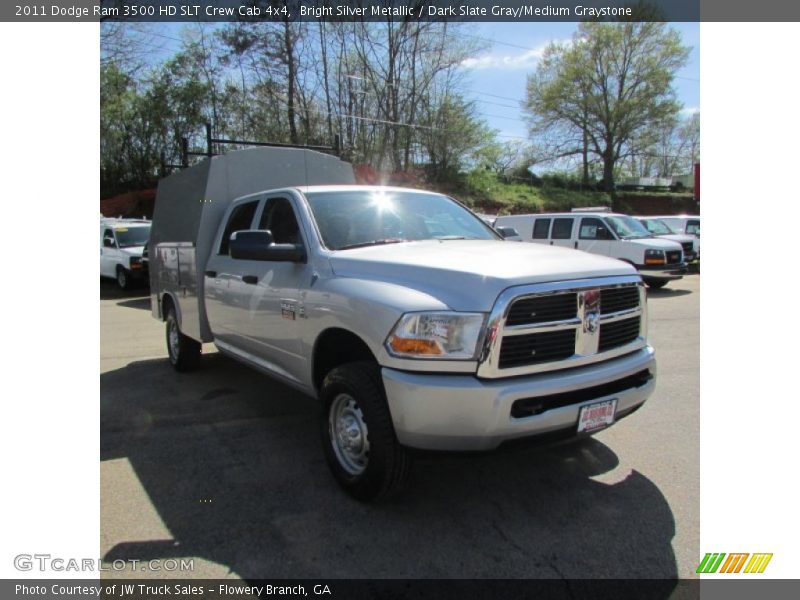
<point x="382" y="201"/>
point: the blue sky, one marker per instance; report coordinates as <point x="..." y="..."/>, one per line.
<point x="496" y="77"/>
<point x="503" y="69"/>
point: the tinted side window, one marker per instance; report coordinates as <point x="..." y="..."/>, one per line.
<point x="241" y="218"/>
<point x="562" y="229"/>
<point x="279" y="218"/>
<point x="692" y="227"/>
<point x="589" y="226"/>
<point x="540" y="229"/>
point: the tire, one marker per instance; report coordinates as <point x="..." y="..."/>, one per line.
<point x="373" y="465"/>
<point x="183" y="351"/>
<point x="123" y="279"/>
<point x="656" y="284"/>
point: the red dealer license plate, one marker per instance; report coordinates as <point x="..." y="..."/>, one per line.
<point x="597" y="416"/>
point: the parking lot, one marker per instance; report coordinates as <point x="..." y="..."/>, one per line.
<point x="224" y="466"/>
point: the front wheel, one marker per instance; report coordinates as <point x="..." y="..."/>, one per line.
<point x="656" y="284"/>
<point x="183" y="351"/>
<point x="357" y="433"/>
<point x="123" y="280"/>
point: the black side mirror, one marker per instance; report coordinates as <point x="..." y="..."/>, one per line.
<point x="108" y="242"/>
<point x="260" y="245"/>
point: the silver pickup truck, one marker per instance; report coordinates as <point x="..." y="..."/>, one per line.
<point x="410" y="319"/>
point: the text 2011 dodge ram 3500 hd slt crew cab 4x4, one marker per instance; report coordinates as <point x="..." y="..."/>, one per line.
<point x="414" y="323"/>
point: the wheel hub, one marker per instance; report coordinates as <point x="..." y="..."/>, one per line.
<point x="173" y="337"/>
<point x="348" y="433"/>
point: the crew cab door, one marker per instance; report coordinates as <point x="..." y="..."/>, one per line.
<point x="263" y="302"/>
<point x="594" y="236"/>
<point x="222" y="276"/>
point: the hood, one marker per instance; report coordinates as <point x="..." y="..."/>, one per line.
<point x="655" y="243"/>
<point x="468" y="275"/>
<point x="677" y="237"/>
<point x="133" y="250"/>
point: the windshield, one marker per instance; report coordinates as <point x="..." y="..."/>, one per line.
<point x="350" y="219"/>
<point x="657" y="227"/>
<point x="627" y="227"/>
<point x="132" y="236"/>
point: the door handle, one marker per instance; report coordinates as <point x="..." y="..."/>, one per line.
<point x="551" y="242"/>
<point x="576" y="245"/>
<point x="251" y="279"/>
<point x="211" y="273"/>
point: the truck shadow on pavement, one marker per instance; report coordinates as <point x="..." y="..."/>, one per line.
<point x="231" y="462"/>
<point x="109" y="290"/>
<point x="667" y="292"/>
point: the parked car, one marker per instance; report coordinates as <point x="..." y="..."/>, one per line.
<point x="122" y="243"/>
<point x="409" y="318"/>
<point x="659" y="228"/>
<point x="609" y="234"/>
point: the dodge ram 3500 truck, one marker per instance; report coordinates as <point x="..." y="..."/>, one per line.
<point x="410" y="319"/>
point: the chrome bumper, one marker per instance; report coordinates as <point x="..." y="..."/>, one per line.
<point x="668" y="272"/>
<point x="462" y="412"/>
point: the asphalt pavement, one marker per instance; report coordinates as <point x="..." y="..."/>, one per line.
<point x="224" y="466"/>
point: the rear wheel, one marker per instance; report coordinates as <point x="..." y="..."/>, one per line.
<point x="183" y="351"/>
<point x="357" y="433"/>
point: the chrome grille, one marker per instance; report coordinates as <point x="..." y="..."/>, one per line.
<point x="618" y="333"/>
<point x="620" y="298"/>
<point x="536" y="348"/>
<point x="673" y="257"/>
<point x="543" y="309"/>
<point x="552" y="326"/>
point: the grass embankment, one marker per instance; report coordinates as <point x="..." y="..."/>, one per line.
<point x="488" y="194"/>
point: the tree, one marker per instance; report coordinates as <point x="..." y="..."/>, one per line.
<point x="613" y="81"/>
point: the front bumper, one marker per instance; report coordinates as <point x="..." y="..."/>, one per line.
<point x="462" y="412"/>
<point x="668" y="272"/>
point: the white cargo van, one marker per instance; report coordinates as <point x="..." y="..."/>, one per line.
<point x="122" y="242"/>
<point x="610" y="234"/>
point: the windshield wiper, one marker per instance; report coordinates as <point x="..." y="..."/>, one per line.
<point x="374" y="243"/>
<point x="454" y="237"/>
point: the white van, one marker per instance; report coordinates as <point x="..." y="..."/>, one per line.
<point x="122" y="242"/>
<point x="610" y="234"/>
<point x="686" y="224"/>
<point x="659" y="228"/>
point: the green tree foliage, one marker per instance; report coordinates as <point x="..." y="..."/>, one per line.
<point x="388" y="89"/>
<point x="593" y="96"/>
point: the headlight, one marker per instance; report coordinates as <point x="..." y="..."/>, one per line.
<point x="654" y="257"/>
<point x="442" y="335"/>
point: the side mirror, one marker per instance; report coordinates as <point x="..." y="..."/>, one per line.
<point x="260" y="245"/>
<point x="108" y="242"/>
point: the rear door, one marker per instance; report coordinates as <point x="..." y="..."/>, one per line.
<point x="561" y="232"/>
<point x="541" y="230"/>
